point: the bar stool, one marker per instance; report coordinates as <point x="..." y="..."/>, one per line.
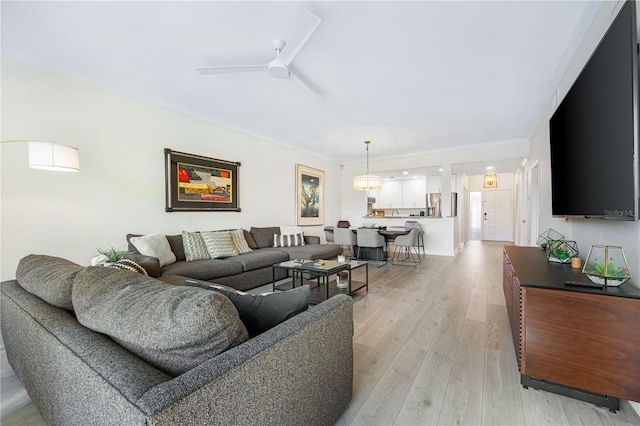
<point x="403" y="245"/>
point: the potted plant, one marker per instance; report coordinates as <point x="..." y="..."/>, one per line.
<point x="111" y="255"/>
<point x="606" y="265"/>
<point x="562" y="251"/>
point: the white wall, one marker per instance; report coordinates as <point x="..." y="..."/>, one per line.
<point x="120" y="188"/>
<point x="584" y="232"/>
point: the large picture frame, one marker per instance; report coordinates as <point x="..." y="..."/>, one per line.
<point x="309" y="196"/>
<point x="197" y="183"/>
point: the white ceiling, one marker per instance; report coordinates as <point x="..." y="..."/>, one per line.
<point x="409" y="76"/>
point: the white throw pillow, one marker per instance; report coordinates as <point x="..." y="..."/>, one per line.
<point x="155" y="245"/>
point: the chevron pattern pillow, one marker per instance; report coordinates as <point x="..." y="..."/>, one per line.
<point x="219" y="244"/>
<point x="194" y="246"/>
<point x="240" y="242"/>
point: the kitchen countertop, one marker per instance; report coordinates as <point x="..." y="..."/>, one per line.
<point x="402" y="217"/>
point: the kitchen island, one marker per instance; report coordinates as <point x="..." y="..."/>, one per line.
<point x="439" y="232"/>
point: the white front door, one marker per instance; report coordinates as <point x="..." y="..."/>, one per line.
<point x="496" y="215"/>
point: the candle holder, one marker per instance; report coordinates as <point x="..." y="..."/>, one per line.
<point x="607" y="265"/>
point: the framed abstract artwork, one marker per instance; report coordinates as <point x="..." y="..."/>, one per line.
<point x="309" y="196"/>
<point x="197" y="183"/>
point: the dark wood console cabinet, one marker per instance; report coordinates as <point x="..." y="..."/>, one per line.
<point x="577" y="341"/>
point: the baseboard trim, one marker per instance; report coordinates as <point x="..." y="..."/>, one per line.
<point x="609" y="402"/>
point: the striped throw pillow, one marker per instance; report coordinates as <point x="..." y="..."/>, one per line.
<point x="288" y="240"/>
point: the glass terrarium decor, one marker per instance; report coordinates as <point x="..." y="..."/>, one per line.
<point x="562" y="251"/>
<point x="606" y="265"/>
<point x="547" y="236"/>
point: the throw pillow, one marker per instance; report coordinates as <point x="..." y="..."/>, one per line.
<point x="264" y="236"/>
<point x="50" y="278"/>
<point x="260" y="312"/>
<point x="219" y="244"/>
<point x="250" y="241"/>
<point x="194" y="246"/>
<point x="238" y="240"/>
<point x="174" y="328"/>
<point x="155" y="245"/>
<point x="128" y="265"/>
<point x="289" y="240"/>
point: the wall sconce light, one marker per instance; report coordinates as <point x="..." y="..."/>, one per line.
<point x="490" y="180"/>
<point x="51" y="156"/>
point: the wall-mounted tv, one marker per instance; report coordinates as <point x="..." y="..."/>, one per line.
<point x="594" y="131"/>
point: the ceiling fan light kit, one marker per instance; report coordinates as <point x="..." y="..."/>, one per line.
<point x="279" y="67"/>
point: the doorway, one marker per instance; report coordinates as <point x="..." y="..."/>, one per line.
<point x="496" y="215"/>
<point x="475" y="215"/>
<point x="534" y="204"/>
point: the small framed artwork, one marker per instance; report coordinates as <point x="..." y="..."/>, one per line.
<point x="197" y="183"/>
<point x="309" y="196"/>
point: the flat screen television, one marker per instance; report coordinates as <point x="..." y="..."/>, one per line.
<point x="594" y="131"/>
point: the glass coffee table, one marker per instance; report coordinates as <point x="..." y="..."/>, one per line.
<point x="318" y="275"/>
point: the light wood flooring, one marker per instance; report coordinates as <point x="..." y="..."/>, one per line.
<point x="432" y="345"/>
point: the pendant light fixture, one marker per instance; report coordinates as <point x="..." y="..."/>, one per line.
<point x="367" y="182"/>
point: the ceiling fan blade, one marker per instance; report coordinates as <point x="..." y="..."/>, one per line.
<point x="306" y="82"/>
<point x="299" y="37"/>
<point x="231" y="69"/>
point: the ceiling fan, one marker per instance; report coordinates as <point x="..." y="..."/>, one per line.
<point x="280" y="66"/>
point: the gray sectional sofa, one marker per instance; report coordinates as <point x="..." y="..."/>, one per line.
<point x="241" y="272"/>
<point x="296" y="373"/>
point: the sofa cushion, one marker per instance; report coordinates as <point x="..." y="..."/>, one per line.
<point x="207" y="269"/>
<point x="310" y="251"/>
<point x="50" y="278"/>
<point x="260" y="259"/>
<point x="288" y="240"/>
<point x="155" y="245"/>
<point x="219" y="244"/>
<point x="194" y="246"/>
<point x="249" y="239"/>
<point x="264" y="236"/>
<point x="177" y="247"/>
<point x="237" y="235"/>
<point x="174" y="328"/>
<point x="260" y="312"/>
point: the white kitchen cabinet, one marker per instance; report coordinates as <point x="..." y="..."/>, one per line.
<point x="413" y="193"/>
<point x="390" y="196"/>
